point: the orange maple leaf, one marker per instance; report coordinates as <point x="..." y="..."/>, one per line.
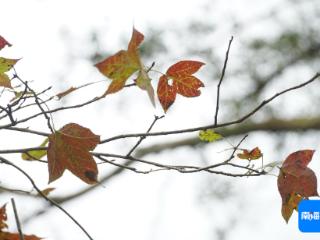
<point x="183" y="82"/>
<point x="120" y="66"/>
<point x="69" y="149"/>
<point x="250" y="155"/>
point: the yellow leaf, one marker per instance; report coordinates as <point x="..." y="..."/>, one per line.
<point x="6" y="64"/>
<point x="209" y="135"/>
<point x="35" y="154"/>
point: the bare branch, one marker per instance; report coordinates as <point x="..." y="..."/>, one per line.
<point x="37" y="99"/>
<point x="156" y="118"/>
<point x="16" y="191"/>
<point x="220" y="82"/>
<point x="22" y="150"/>
<point x="27" y="130"/>
<point x="8" y="114"/>
<point x="179" y="168"/>
<point x="214" y="126"/>
<point x="271" y="125"/>
<point x="183" y="169"/>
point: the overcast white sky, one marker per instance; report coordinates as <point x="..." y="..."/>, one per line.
<point x="163" y="205"/>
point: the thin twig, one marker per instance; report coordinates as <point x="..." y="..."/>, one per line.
<point x="156" y="118"/>
<point x="22" y="97"/>
<point x="37" y="100"/>
<point x="128" y="163"/>
<point x="27" y="130"/>
<point x="21" y="237"/>
<point x="55" y="110"/>
<point x="86" y="190"/>
<point x="236" y="148"/>
<point x="21" y="106"/>
<point x="105" y="160"/>
<point x="3" y="160"/>
<point x="8" y="114"/>
<point x="16" y="191"/>
<point x="22" y="150"/>
<point x="184" y="168"/>
<point x="220" y="81"/>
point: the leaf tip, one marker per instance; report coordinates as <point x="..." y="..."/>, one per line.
<point x="4" y="42"/>
<point x="91" y="176"/>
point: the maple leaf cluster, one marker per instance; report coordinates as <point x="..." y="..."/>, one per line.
<point x="69" y="148"/>
<point x="5" y="235"/>
<point x="177" y="80"/>
<point x="295" y="180"/>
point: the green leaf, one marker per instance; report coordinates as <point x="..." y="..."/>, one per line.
<point x="35" y="154"/>
<point x="5" y="65"/>
<point x="209" y="135"/>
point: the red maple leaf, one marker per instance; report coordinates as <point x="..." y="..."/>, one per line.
<point x="183" y="82"/>
<point x="69" y="149"/>
<point x="296" y="179"/>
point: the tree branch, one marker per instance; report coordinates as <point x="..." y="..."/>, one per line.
<point x="271" y="125"/>
<point x="214" y="126"/>
<point x="220" y="82"/>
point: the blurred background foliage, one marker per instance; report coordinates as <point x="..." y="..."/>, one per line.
<point x="273" y="49"/>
